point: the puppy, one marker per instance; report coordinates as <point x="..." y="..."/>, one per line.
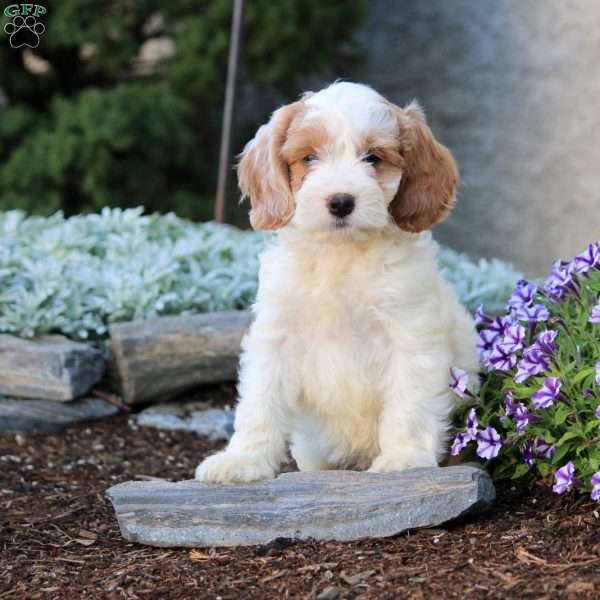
<point x="347" y="361"/>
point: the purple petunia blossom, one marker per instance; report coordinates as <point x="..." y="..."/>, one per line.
<point x="536" y="358"/>
<point x="565" y="479"/>
<point x="509" y="404"/>
<point x="544" y="449"/>
<point x="481" y="318"/>
<point x="545" y="342"/>
<point x="596" y="486"/>
<point x="587" y="260"/>
<point x="488" y="443"/>
<point x="501" y="324"/>
<point x="533" y="363"/>
<point x="595" y="315"/>
<point x="514" y="338"/>
<point x="459" y="444"/>
<point x="527" y="450"/>
<point x="533" y="314"/>
<point x="548" y="393"/>
<point x="522" y="294"/>
<point x="458" y="381"/>
<point x="523" y="417"/>
<point x="485" y="344"/>
<point x="560" y="283"/>
<point x="472" y="425"/>
<point x="502" y="357"/>
<point x="597" y="377"/>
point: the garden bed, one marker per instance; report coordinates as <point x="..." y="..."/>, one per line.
<point x="59" y="537"/>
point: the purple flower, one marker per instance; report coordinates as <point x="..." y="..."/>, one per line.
<point x="459" y="444"/>
<point x="536" y="358"/>
<point x="532" y="314"/>
<point x="514" y="338"/>
<point x="481" y="318"/>
<point x="533" y="363"/>
<point x="509" y="404"/>
<point x="595" y="315"/>
<point x="597" y="377"/>
<point x="597" y="412"/>
<point x="472" y="425"/>
<point x="458" y="381"/>
<point x="565" y="479"/>
<point x="501" y="324"/>
<point x="545" y="342"/>
<point x="486" y="342"/>
<point x="502" y="357"/>
<point x="522" y="294"/>
<point x="544" y="449"/>
<point x="523" y="417"/>
<point x="488" y="443"/>
<point x="527" y="450"/>
<point x="548" y="393"/>
<point x="560" y="283"/>
<point x="587" y="260"/>
<point x="596" y="484"/>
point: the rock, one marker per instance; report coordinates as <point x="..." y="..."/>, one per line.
<point x="322" y="505"/>
<point x="329" y="593"/>
<point x="160" y="358"/>
<point x="27" y="416"/>
<point x="49" y="367"/>
<point x="214" y="423"/>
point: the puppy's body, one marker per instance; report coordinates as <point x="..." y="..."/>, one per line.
<point x="347" y="360"/>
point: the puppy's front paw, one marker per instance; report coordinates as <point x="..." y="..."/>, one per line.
<point x="398" y="461"/>
<point x="230" y="467"/>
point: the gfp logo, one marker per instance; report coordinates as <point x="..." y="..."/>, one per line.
<point x="24" y="29"/>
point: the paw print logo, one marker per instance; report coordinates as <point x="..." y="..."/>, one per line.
<point x="24" y="31"/>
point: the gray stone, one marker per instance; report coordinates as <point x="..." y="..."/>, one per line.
<point x="27" y="416"/>
<point x="214" y="423"/>
<point x="323" y="505"/>
<point x="160" y="358"/>
<point x="50" y="367"/>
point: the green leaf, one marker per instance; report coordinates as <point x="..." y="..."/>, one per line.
<point x="569" y="435"/>
<point x="560" y="453"/>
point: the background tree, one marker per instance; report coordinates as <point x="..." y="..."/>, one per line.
<point x="88" y="120"/>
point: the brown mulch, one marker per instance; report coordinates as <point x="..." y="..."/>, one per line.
<point x="59" y="537"/>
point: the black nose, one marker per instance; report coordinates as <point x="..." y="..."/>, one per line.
<point x="340" y="205"/>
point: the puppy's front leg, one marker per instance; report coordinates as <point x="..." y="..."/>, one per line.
<point x="258" y="446"/>
<point x="414" y="422"/>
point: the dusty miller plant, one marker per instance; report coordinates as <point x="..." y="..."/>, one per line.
<point x="75" y="276"/>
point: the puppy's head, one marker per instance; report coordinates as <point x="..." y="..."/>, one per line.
<point x="346" y="159"/>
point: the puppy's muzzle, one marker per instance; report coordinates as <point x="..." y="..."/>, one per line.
<point x="341" y="205"/>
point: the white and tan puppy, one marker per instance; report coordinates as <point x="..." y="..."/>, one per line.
<point x="346" y="363"/>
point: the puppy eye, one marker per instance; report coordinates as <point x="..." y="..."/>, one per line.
<point x="310" y="158"/>
<point x="372" y="159"/>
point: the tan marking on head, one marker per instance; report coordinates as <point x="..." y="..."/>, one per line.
<point x="427" y="189"/>
<point x="263" y="172"/>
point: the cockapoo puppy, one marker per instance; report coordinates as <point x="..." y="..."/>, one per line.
<point x="347" y="360"/>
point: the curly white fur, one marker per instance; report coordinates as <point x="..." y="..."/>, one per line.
<point x="346" y="363"/>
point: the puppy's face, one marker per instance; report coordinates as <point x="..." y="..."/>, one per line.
<point x="346" y="159"/>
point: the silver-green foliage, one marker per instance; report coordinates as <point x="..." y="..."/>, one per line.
<point x="75" y="276"/>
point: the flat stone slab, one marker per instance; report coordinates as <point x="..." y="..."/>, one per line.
<point x="27" y="416"/>
<point x="322" y="505"/>
<point x="213" y="423"/>
<point x="162" y="357"/>
<point x="50" y="367"/>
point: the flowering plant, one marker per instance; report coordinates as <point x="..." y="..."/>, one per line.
<point x="537" y="413"/>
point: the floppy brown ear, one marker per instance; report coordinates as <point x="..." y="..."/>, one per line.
<point x="263" y="173"/>
<point x="428" y="185"/>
